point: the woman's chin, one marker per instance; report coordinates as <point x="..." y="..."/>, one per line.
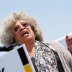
<point x="27" y="39"/>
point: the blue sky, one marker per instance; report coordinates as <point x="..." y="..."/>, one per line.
<point x="54" y="16"/>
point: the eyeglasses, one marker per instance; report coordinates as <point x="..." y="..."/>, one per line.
<point x="22" y="25"/>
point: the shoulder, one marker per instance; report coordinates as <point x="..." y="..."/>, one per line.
<point x="48" y="45"/>
<point x="57" y="46"/>
<point x="60" y="49"/>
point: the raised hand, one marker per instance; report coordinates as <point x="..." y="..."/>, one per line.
<point x="69" y="43"/>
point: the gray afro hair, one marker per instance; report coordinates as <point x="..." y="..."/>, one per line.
<point x="7" y="37"/>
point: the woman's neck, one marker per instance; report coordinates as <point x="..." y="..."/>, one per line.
<point x="30" y="45"/>
<point x="31" y="48"/>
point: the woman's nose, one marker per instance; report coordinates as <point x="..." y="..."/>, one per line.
<point x="21" y="27"/>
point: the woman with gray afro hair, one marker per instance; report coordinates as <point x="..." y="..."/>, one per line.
<point x="48" y="57"/>
<point x="7" y="36"/>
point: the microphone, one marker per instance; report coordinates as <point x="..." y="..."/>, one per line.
<point x="9" y="48"/>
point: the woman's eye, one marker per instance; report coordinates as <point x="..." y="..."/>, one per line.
<point x="16" y="28"/>
<point x="25" y="25"/>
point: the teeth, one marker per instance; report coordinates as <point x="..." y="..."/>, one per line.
<point x="24" y="33"/>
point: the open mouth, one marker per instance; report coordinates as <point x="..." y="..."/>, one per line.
<point x="25" y="33"/>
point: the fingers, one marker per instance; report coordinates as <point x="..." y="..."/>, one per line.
<point x="69" y="40"/>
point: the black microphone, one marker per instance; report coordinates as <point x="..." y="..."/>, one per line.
<point x="8" y="48"/>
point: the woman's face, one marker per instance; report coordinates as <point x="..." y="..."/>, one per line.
<point x="22" y="32"/>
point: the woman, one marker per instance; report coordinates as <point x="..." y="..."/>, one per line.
<point x="48" y="57"/>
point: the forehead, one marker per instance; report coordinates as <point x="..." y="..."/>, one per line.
<point x="18" y="22"/>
